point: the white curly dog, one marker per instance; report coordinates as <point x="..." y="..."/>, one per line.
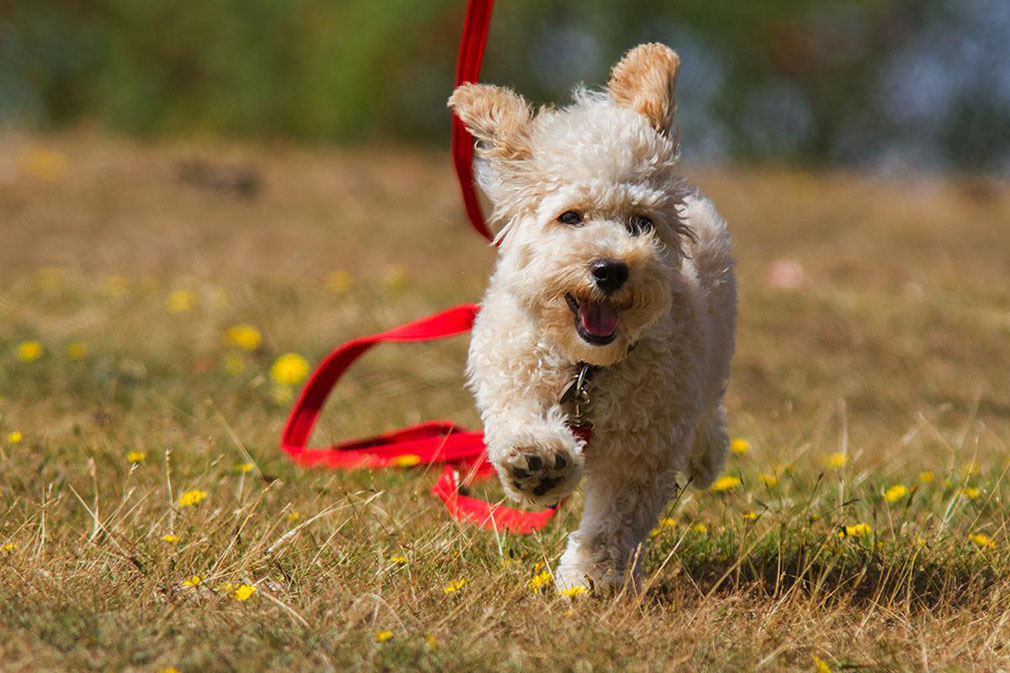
<point x="612" y="303"/>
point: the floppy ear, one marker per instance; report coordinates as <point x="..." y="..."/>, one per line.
<point x="645" y="80"/>
<point x="500" y="119"/>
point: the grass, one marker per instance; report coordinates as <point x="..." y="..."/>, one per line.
<point x="891" y="352"/>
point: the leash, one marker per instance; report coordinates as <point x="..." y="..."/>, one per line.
<point x="463" y="452"/>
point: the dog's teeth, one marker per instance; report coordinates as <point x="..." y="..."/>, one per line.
<point x="534" y="462"/>
<point x="559" y="462"/>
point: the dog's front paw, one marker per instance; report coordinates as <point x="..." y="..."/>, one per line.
<point x="541" y="470"/>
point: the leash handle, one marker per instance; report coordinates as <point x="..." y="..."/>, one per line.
<point x="471" y="53"/>
<point x="433" y="442"/>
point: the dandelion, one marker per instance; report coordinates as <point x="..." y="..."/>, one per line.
<point x="136" y="456"/>
<point x="453" y="587"/>
<point x="727" y="483"/>
<point x="180" y="301"/>
<point x="170" y="539"/>
<point x="383" y="636"/>
<point x="9" y="547"/>
<point x="293" y="516"/>
<point x="399" y="560"/>
<point x="895" y="493"/>
<point x="970" y="469"/>
<point x="397" y="277"/>
<point x="665" y="522"/>
<point x="243" y="468"/>
<point x="539" y="581"/>
<point x="699" y="528"/>
<point x="407" y="460"/>
<point x="243" y="592"/>
<point x="193" y="581"/>
<point x="243" y="336"/>
<point x="572" y="592"/>
<point x="77" y="351"/>
<point x="233" y="364"/>
<point x="820" y="666"/>
<point x="30" y="351"/>
<point x="856" y="530"/>
<point x="837" y="459"/>
<point x="15" y="437"/>
<point x="739" y="446"/>
<point x="982" y="540"/>
<point x="749" y="515"/>
<point x="926" y="477"/>
<point x="769" y="480"/>
<point x="47" y="165"/>
<point x="289" y="369"/>
<point x="190" y="498"/>
<point x="116" y="286"/>
<point x="339" y="281"/>
<point x="168" y="669"/>
<point x="430" y="640"/>
<point x="971" y="492"/>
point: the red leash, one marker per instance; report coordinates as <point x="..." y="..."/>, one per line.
<point x="462" y="452"/>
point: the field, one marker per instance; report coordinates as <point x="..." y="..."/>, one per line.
<point x="149" y="521"/>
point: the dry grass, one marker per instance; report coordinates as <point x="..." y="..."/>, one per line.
<point x="893" y="350"/>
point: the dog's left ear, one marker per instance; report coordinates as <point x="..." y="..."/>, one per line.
<point x="645" y="80"/>
<point x="498" y="118"/>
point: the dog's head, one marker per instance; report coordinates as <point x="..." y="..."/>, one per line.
<point x="592" y="237"/>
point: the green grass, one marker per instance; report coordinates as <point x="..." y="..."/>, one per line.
<point x="893" y="352"/>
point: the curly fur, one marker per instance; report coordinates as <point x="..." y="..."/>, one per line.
<point x="657" y="400"/>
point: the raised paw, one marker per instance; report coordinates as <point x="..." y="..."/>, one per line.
<point x="542" y="472"/>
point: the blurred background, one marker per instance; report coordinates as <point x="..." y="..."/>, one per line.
<point x="880" y="84"/>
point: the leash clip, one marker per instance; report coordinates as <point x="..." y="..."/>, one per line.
<point x="576" y="393"/>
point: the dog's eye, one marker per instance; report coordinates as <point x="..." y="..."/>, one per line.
<point x="570" y="217"/>
<point x="639" y="224"/>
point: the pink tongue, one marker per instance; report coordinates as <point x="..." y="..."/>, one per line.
<point x="598" y="319"/>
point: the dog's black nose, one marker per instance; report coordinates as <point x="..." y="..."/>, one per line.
<point x="610" y="274"/>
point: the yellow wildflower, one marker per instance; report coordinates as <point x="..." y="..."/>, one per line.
<point x="856" y="530"/>
<point x="971" y="492"/>
<point x="383" y="636"/>
<point x="971" y="469"/>
<point x="193" y="581"/>
<point x="77" y="351"/>
<point x="982" y="540"/>
<point x="820" y="666"/>
<point x="665" y="522"/>
<point x="539" y="581"/>
<point x="244" y="592"/>
<point x="15" y="437"/>
<point x="293" y="516"/>
<point x="339" y="281"/>
<point x="289" y="369"/>
<point x="572" y="592"/>
<point x="9" y="547"/>
<point x="30" y="351"/>
<point x="727" y="483"/>
<point x="233" y="364"/>
<point x="837" y="459"/>
<point x="136" y="456"/>
<point x="453" y="587"/>
<point x="769" y="480"/>
<point x="226" y="587"/>
<point x="243" y="336"/>
<point x="739" y="446"/>
<point x="48" y="165"/>
<point x="749" y="515"/>
<point x="895" y="493"/>
<point x="926" y="477"/>
<point x="180" y="301"/>
<point x="190" y="498"/>
<point x="116" y="286"/>
<point x="171" y="539"/>
<point x="243" y="468"/>
<point x="396" y="277"/>
<point x="430" y="640"/>
<point x="408" y="460"/>
<point x="399" y="560"/>
<point x="168" y="669"/>
<point x="699" y="528"/>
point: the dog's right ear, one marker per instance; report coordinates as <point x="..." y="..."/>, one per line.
<point x="500" y="120"/>
<point x="645" y="80"/>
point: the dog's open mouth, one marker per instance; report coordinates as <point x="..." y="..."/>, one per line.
<point x="595" y="321"/>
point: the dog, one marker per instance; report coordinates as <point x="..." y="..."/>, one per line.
<point x="610" y="313"/>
